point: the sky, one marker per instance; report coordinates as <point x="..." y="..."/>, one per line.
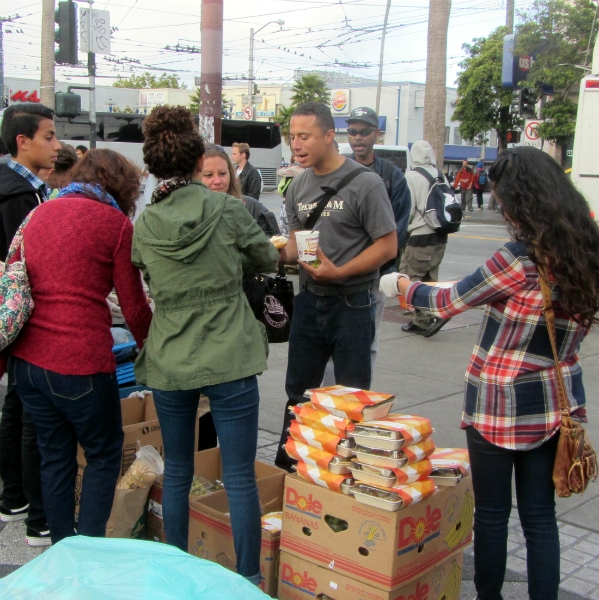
<point x="342" y="36"/>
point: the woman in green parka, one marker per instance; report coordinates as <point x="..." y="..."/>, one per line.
<point x="204" y="338"/>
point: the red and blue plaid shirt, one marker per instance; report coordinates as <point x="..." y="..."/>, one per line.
<point x="511" y="387"/>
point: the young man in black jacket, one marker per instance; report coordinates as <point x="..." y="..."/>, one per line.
<point x="30" y="137"/>
<point x="249" y="177"/>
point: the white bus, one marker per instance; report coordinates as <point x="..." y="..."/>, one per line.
<point x="122" y="132"/>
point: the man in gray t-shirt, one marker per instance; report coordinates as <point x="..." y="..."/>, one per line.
<point x="334" y="311"/>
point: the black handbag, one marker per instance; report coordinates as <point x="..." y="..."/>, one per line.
<point x="271" y="300"/>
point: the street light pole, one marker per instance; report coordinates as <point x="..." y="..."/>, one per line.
<point x="280" y="23"/>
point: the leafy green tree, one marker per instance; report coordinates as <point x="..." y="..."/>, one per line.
<point x="483" y="103"/>
<point x="148" y="80"/>
<point x="310" y="88"/>
<point x="560" y="35"/>
<point x="283" y="118"/>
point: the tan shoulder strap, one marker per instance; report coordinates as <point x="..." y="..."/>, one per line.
<point x="550" y="318"/>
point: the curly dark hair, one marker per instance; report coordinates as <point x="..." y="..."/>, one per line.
<point x="115" y="174"/>
<point x="173" y="144"/>
<point x="549" y="215"/>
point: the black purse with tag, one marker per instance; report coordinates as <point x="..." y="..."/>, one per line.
<point x="271" y="301"/>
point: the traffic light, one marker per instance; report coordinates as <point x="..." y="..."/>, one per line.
<point x="66" y="34"/>
<point x="67" y="104"/>
<point x="528" y="102"/>
<point x="516" y="103"/>
<point x="512" y="136"/>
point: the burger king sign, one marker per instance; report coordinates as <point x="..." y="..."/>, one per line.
<point x="340" y="102"/>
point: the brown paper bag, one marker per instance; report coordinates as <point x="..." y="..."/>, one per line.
<point x="128" y="516"/>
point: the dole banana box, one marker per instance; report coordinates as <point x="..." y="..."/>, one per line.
<point x="381" y="548"/>
<point x="303" y="580"/>
<point x="211" y="537"/>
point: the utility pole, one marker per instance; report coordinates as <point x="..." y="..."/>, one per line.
<point x="47" y="79"/>
<point x="380" y="81"/>
<point x="280" y="23"/>
<point x="435" y="94"/>
<point x="509" y="16"/>
<point x="91" y="71"/>
<point x="211" y="81"/>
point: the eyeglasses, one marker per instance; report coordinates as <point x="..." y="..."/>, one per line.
<point x="361" y="132"/>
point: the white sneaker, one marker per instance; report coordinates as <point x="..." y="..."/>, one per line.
<point x="37" y="539"/>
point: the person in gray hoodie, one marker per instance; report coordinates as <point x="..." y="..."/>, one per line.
<point x="425" y="248"/>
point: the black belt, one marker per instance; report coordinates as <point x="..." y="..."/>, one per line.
<point x="337" y="290"/>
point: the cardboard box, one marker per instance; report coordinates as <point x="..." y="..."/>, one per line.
<point x="140" y="424"/>
<point x="302" y="580"/>
<point x="380" y="548"/>
<point x="208" y="464"/>
<point x="211" y="537"/>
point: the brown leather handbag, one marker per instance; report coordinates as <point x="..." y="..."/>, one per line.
<point x="575" y="459"/>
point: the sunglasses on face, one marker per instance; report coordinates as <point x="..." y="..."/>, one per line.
<point x="361" y="132"/>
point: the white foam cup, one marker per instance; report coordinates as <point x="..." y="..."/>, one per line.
<point x="307" y="244"/>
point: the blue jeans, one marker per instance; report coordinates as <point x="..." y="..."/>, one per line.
<point x="234" y="406"/>
<point x="66" y="409"/>
<point x="341" y="327"/>
<point x="492" y="469"/>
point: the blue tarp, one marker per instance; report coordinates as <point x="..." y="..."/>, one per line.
<point x="84" y="568"/>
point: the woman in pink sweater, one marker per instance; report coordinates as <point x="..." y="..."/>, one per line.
<point x="78" y="248"/>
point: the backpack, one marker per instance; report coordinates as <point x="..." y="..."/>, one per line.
<point x="482" y="179"/>
<point x="442" y="211"/>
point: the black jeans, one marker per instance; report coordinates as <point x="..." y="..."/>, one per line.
<point x="20" y="461"/>
<point x="492" y="469"/>
<point x="479" y="198"/>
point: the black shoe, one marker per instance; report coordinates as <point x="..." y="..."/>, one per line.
<point x="13" y="514"/>
<point x="435" y="327"/>
<point x="410" y="327"/>
<point x="38" y="538"/>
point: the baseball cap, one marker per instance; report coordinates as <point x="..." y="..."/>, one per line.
<point x="365" y="115"/>
<point x="480" y="165"/>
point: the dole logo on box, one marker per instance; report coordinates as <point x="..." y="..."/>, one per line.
<point x="302" y="582"/>
<point x="415" y="532"/>
<point x="301" y="503"/>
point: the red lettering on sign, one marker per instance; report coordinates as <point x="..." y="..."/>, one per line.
<point x="25" y="96"/>
<point x="302" y="503"/>
<point x="414" y="531"/>
<point x="302" y="581"/>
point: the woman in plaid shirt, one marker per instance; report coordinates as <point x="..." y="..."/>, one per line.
<point x="511" y="410"/>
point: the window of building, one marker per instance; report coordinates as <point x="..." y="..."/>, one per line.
<point x="457" y="138"/>
<point x="447" y="128"/>
<point x="493" y="138"/>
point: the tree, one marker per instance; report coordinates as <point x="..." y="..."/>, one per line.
<point x="310" y="88"/>
<point x="283" y="118"/>
<point x="147" y="80"/>
<point x="560" y="35"/>
<point x="435" y="94"/>
<point x="483" y="103"/>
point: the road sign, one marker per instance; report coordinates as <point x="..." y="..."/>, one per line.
<point x="248" y="113"/>
<point x="531" y="135"/>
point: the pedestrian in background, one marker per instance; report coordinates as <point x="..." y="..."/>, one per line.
<point x="480" y="181"/>
<point x="78" y="247"/>
<point x="464" y="180"/>
<point x="204" y="338"/>
<point x="250" y="179"/>
<point x="511" y="408"/>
